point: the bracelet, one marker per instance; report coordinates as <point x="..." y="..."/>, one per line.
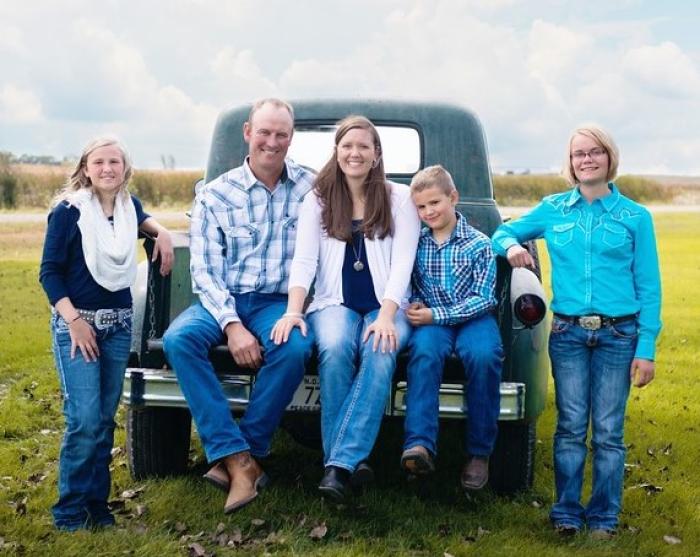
<point x="293" y="314"/>
<point x="75" y="319"/>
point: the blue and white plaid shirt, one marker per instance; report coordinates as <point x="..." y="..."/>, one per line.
<point x="455" y="279"/>
<point x="242" y="236"/>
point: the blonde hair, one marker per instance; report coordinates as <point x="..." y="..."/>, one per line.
<point x="77" y="179"/>
<point x="433" y="176"/>
<point x="604" y="140"/>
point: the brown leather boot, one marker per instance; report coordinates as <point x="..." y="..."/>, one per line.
<point x="475" y="473"/>
<point x="218" y="477"/>
<point x="247" y="478"/>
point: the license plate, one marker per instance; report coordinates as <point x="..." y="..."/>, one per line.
<point x="307" y="397"/>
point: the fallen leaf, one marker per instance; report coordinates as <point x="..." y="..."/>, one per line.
<point x="536" y="504"/>
<point x="180" y="527"/>
<point x="220" y="527"/>
<point x="667" y="449"/>
<point x="21" y="506"/>
<point x="140" y="510"/>
<point x="196" y="550"/>
<point x="482" y="532"/>
<point x="257" y="522"/>
<point x="132" y="493"/>
<point x="672" y="540"/>
<point x="319" y="532"/>
<point x="36" y="478"/>
<point x="274" y="538"/>
<point x="116" y="451"/>
<point x="445" y="554"/>
<point x="236" y="537"/>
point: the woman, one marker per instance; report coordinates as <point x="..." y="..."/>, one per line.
<point x="87" y="267"/>
<point x="606" y="303"/>
<point x="357" y="236"/>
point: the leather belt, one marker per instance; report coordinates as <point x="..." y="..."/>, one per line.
<point x="103" y="318"/>
<point x="594" y="322"/>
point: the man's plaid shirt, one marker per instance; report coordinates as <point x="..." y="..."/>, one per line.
<point x="456" y="279"/>
<point x="242" y="236"/>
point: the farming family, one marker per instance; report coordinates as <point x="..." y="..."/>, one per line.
<point x="263" y="233"/>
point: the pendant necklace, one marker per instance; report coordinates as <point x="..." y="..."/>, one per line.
<point x="358" y="265"/>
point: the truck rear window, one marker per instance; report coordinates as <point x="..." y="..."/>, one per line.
<point x="312" y="145"/>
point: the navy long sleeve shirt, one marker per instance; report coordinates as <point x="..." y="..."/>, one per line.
<point x="64" y="273"/>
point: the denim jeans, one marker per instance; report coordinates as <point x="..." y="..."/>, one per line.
<point x="591" y="380"/>
<point x="477" y="343"/>
<point x="91" y="392"/>
<point x="355" y="382"/>
<point x="187" y="342"/>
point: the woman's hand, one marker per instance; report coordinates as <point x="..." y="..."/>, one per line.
<point x="164" y="248"/>
<point x="82" y="337"/>
<point x="384" y="331"/>
<point x="641" y="372"/>
<point x="518" y="256"/>
<point x="418" y="314"/>
<point x="283" y="328"/>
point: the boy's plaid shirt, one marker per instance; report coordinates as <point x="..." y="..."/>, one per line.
<point x="456" y="279"/>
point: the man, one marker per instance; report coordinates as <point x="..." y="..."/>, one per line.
<point x="242" y="237"/>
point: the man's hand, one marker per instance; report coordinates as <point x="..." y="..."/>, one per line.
<point x="243" y="346"/>
<point x="518" y="256"/>
<point x="641" y="372"/>
<point x="418" y="314"/>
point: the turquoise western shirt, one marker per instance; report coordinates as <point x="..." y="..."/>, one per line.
<point x="603" y="257"/>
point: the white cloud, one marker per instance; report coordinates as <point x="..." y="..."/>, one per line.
<point x="663" y="68"/>
<point x="19" y="105"/>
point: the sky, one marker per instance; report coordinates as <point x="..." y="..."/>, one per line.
<point x="157" y="73"/>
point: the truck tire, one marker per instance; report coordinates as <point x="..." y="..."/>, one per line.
<point x="157" y="441"/>
<point x="512" y="464"/>
<point x="531" y="247"/>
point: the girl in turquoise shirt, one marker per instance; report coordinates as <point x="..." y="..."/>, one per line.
<point x="606" y="303"/>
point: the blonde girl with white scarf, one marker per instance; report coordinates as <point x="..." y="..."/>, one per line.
<point x="87" y="268"/>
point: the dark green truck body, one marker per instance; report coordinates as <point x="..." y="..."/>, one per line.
<point x="447" y="135"/>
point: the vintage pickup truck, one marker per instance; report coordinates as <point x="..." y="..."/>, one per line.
<point x="414" y="135"/>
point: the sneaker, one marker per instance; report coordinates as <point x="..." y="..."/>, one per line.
<point x="417" y="461"/>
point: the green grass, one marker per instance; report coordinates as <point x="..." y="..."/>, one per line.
<point x="395" y="518"/>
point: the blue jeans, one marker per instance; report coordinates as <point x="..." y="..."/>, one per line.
<point x="91" y="392"/>
<point x="591" y="380"/>
<point x="187" y="342"/>
<point x="355" y="382"/>
<point x="477" y="343"/>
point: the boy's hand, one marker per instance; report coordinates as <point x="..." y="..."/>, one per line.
<point x="418" y="314"/>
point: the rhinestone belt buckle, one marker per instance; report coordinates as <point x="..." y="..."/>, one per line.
<point x="104" y="318"/>
<point x="590" y="322"/>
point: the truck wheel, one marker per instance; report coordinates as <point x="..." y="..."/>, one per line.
<point x="512" y="464"/>
<point x="304" y="429"/>
<point x="157" y="441"/>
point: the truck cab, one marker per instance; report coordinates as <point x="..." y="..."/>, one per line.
<point x="414" y="135"/>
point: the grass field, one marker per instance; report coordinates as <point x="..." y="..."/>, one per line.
<point x="182" y="516"/>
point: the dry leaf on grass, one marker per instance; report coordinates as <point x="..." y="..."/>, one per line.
<point x="319" y="532"/>
<point x="257" y="522"/>
<point x="672" y="540"/>
<point x="196" y="550"/>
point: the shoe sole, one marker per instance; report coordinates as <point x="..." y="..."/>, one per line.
<point x="331" y="493"/>
<point x="259" y="485"/>
<point x="474" y="487"/>
<point x="417" y="464"/>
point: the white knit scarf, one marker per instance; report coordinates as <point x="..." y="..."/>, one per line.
<point x="109" y="249"/>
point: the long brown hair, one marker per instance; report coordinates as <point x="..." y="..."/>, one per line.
<point x="334" y="193"/>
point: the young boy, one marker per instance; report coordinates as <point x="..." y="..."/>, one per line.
<point x="453" y="301"/>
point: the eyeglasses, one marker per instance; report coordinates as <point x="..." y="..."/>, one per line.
<point x="595" y="153"/>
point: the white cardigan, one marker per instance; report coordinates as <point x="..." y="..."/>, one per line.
<point x="390" y="259"/>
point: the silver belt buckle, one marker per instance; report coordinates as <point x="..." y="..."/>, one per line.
<point x="590" y="322"/>
<point x="105" y="318"/>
